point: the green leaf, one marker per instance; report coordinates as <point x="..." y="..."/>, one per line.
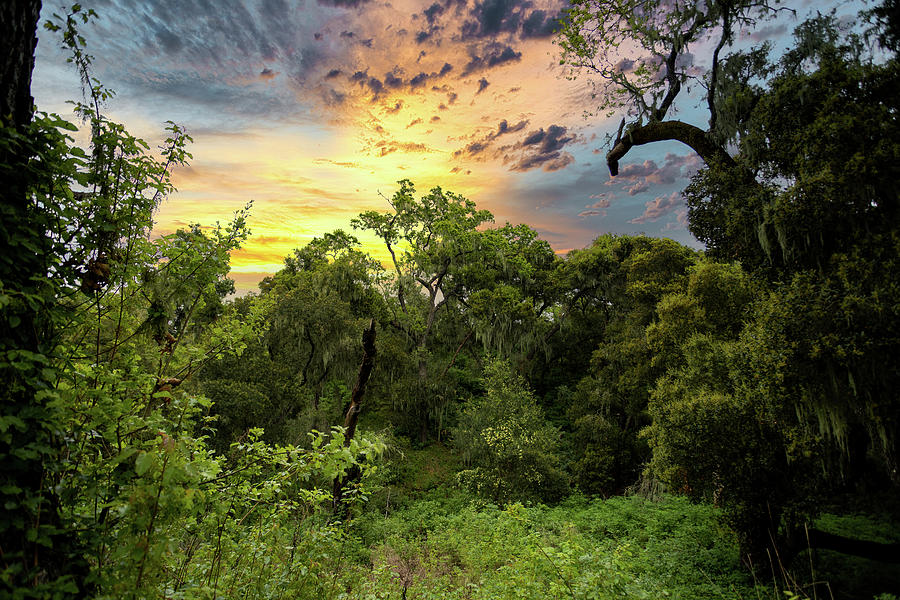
<point x="143" y="462"/>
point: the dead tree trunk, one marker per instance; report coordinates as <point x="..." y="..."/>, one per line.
<point x="352" y="417"/>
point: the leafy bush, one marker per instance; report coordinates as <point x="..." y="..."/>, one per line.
<point x="507" y="443"/>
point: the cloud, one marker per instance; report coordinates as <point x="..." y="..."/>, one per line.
<point x="680" y="222"/>
<point x="539" y="149"/>
<point x="638" y="177"/>
<point x="492" y="55"/>
<point x="385" y="147"/>
<point x="548" y="141"/>
<point x="637" y="188"/>
<point x="480" y="145"/>
<point x="419" y="80"/>
<point x="343" y="3"/>
<point x="659" y="207"/>
<point x="505" y="127"/>
<point x="199" y="56"/>
<point x="603" y="200"/>
<point x="598" y="208"/>
<point x="374" y="84"/>
<point x="433" y="12"/>
<point x="472" y="149"/>
<point x="392" y="80"/>
<point x="539" y="25"/>
<point x="338" y="163"/>
<point x="491" y="17"/>
<point x="544" y="150"/>
<point x="168" y="41"/>
<point x="764" y="33"/>
<point x="333" y="97"/>
<point x="553" y="161"/>
<point x="494" y="18"/>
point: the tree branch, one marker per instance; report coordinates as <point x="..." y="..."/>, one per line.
<point x="882" y="552"/>
<point x="714" y="70"/>
<point x="674" y="84"/>
<point x="658" y="131"/>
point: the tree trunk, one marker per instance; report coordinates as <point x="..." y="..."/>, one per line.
<point x="18" y="26"/>
<point x="352" y="417"/>
<point x="37" y="550"/>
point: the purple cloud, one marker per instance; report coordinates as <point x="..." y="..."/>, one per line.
<point x="659" y="207"/>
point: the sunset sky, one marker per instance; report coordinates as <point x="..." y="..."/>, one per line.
<point x="310" y="109"/>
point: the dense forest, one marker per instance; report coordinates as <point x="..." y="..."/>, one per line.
<point x="479" y="417"/>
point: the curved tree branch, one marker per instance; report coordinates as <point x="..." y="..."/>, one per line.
<point x="658" y="131"/>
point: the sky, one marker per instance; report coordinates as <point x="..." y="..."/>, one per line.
<point x="314" y="109"/>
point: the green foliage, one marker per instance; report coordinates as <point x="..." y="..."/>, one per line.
<point x="75" y="227"/>
<point x="608" y="408"/>
<point x="623" y="547"/>
<point x="295" y="375"/>
<point x="506" y="442"/>
<point x="819" y="226"/>
<point x="104" y="475"/>
<point x="455" y="282"/>
<point x="145" y="420"/>
<point x="823" y="139"/>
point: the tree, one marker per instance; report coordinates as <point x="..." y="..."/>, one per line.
<point x="508" y="446"/>
<point x="83" y="291"/>
<point x="291" y="379"/>
<point x="732" y="421"/>
<point x="824" y="230"/>
<point x="608" y="407"/>
<point x="511" y="293"/>
<point x="808" y="205"/>
<point x="18" y="22"/>
<point x="107" y="487"/>
<point x="659" y="34"/>
<point x="825" y="174"/>
<point x="436" y="237"/>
